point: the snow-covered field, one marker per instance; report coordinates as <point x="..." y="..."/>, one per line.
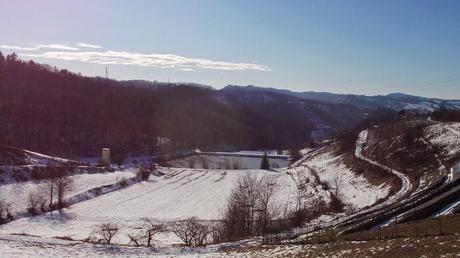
<point x="178" y="194"/>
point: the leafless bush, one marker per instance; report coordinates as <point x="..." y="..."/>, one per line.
<point x="5" y="214"/>
<point x="34" y="201"/>
<point x="104" y="233"/>
<point x="122" y="181"/>
<point x="336" y="204"/>
<point x="143" y="173"/>
<point x="3" y="210"/>
<point x="191" y="231"/>
<point x="350" y="209"/>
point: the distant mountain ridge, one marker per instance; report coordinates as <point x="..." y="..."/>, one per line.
<point x="393" y="101"/>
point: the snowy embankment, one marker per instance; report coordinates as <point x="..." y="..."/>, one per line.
<point x="446" y="136"/>
<point x="353" y="189"/>
<point x="17" y="194"/>
<point x="405" y="181"/>
<point x="177" y="194"/>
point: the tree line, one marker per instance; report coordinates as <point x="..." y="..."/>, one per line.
<point x="59" y="112"/>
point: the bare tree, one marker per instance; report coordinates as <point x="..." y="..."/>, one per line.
<point x="151" y="228"/>
<point x="50" y="188"/>
<point x="106" y="232"/>
<point x="63" y="186"/>
<point x="135" y="238"/>
<point x="268" y="187"/>
<point x="337" y="183"/>
<point x="191" y="231"/>
<point x="250" y="208"/>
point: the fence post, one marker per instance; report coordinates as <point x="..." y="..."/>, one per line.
<point x="440" y="224"/>
<point x="396" y="226"/>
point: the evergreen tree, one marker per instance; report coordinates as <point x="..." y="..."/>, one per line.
<point x="264" y="164"/>
<point x="2" y="60"/>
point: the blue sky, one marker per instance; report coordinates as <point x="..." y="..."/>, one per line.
<point x="363" y="47"/>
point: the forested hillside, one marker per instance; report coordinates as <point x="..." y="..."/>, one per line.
<point x="56" y="111"/>
<point x="59" y="112"/>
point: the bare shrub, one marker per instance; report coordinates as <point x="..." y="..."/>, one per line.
<point x="191" y="231"/>
<point x="33" y="203"/>
<point x="5" y="214"/>
<point x="350" y="209"/>
<point x="122" y="182"/>
<point x="336" y="204"/>
<point x="104" y="233"/>
<point x="3" y="211"/>
<point x="143" y="173"/>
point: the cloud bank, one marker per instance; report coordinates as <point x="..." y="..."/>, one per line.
<point x="150" y="60"/>
<point x="73" y="53"/>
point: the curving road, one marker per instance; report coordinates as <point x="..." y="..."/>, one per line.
<point x="405" y="181"/>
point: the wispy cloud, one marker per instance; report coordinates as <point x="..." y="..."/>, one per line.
<point x="150" y="60"/>
<point x="9" y="47"/>
<point x="36" y="47"/>
<point x="186" y="69"/>
<point x="57" y="46"/>
<point x="82" y="44"/>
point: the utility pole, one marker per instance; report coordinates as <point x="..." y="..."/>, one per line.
<point x="106" y="72"/>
